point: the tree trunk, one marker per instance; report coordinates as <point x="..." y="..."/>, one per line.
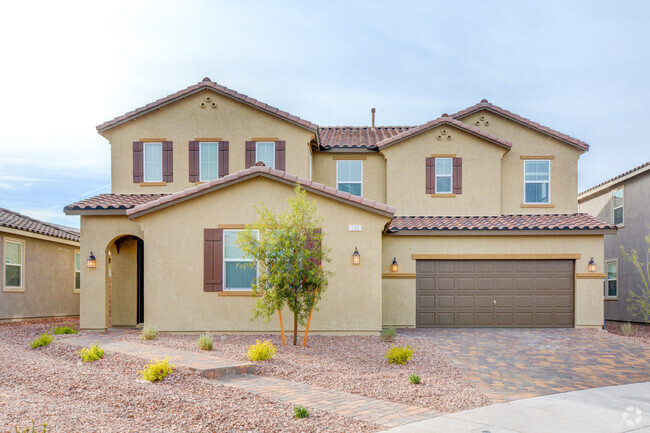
<point x="295" y="329"/>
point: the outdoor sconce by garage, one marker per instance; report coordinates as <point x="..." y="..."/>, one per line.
<point x="91" y="262"/>
<point x="356" y="257"/>
<point x="592" y="265"/>
<point x="393" y="266"/>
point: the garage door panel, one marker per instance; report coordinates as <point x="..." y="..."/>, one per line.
<point x="484" y="319"/>
<point x="445" y="283"/>
<point x="464" y="267"/>
<point x="483" y="283"/>
<point x="444" y="267"/>
<point x="465" y="301"/>
<point x="524" y="301"/>
<point x="523" y="266"/>
<point x="484" y="267"/>
<point x="426" y="301"/>
<point x="426" y="319"/>
<point x="504" y="301"/>
<point x="504" y="319"/>
<point x="524" y="319"/>
<point x="446" y="319"/>
<point x="426" y="266"/>
<point x="464" y="319"/>
<point x="543" y="301"/>
<point x="504" y="283"/>
<point x="523" y="283"/>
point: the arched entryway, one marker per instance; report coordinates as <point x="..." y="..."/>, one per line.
<point x="125" y="281"/>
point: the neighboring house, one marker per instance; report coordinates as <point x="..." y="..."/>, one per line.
<point x="480" y="217"/>
<point x="41" y="268"/>
<point x="625" y="202"/>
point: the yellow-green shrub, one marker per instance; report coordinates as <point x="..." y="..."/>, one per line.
<point x="204" y="342"/>
<point x="261" y="351"/>
<point x="92" y="353"/>
<point x="65" y="330"/>
<point x="42" y="340"/>
<point x="399" y="355"/>
<point x="149" y="332"/>
<point x="157" y="370"/>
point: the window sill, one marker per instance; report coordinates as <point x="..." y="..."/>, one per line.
<point x="537" y="205"/>
<point x="443" y="195"/>
<point x="619" y="226"/>
<point x="609" y="298"/>
<point x="14" y="289"/>
<point x="240" y="293"/>
<point x="76" y="291"/>
<point x="153" y="183"/>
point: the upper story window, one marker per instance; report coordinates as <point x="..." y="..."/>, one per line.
<point x="537" y="181"/>
<point x="77" y="271"/>
<point x="349" y="176"/>
<point x="209" y="161"/>
<point x="265" y="152"/>
<point x="153" y="162"/>
<point x="237" y="276"/>
<point x="611" y="284"/>
<point x="617" y="206"/>
<point x="13" y="264"/>
<point x="443" y="175"/>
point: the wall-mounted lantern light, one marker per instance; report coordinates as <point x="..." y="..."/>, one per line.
<point x="393" y="266"/>
<point x="356" y="257"/>
<point x="592" y="265"/>
<point x="91" y="262"/>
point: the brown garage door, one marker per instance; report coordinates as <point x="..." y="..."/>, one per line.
<point x="484" y="293"/>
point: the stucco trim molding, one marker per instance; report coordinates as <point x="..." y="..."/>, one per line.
<point x="496" y="256"/>
<point x="591" y="276"/>
<point x="398" y="276"/>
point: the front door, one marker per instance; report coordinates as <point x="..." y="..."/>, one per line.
<point x="140" y="301"/>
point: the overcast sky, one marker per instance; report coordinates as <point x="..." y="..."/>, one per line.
<point x="582" y="68"/>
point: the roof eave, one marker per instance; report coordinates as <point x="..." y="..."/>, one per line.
<point x="610" y="184"/>
<point x="497" y="232"/>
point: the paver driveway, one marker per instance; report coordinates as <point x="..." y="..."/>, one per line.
<point x="509" y="364"/>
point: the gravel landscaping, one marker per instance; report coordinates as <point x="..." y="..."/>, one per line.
<point x="641" y="330"/>
<point x="47" y="385"/>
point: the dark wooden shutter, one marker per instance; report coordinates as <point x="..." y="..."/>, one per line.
<point x="279" y="155"/>
<point x="224" y="162"/>
<point x="458" y="175"/>
<point x="213" y="260"/>
<point x="168" y="161"/>
<point x="250" y="154"/>
<point x="431" y="175"/>
<point x="312" y="244"/>
<point x="138" y="165"/>
<point x="194" y="161"/>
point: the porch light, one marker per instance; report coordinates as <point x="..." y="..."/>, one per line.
<point x="91" y="262"/>
<point x="356" y="257"/>
<point x="393" y="266"/>
<point x="592" y="265"/>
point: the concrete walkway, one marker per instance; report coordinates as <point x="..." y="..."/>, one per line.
<point x="613" y="409"/>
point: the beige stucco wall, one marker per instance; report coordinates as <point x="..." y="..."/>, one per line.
<point x="374" y="172"/>
<point x="528" y="142"/>
<point x="399" y="294"/>
<point x="48" y="280"/>
<point x="184" y="121"/>
<point x="406" y="171"/>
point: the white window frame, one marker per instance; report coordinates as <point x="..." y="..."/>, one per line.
<point x="526" y="161"/>
<point x="74" y="265"/>
<point x="144" y="161"/>
<point x="607" y="279"/>
<point x="450" y="176"/>
<point x="622" y="207"/>
<point x="256" y="150"/>
<point x="224" y="279"/>
<point x="360" y="182"/>
<point x="20" y="288"/>
<point x="201" y="179"/>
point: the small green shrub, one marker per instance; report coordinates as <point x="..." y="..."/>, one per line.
<point x="388" y="334"/>
<point x="414" y="378"/>
<point x="261" y="351"/>
<point x="399" y="355"/>
<point x="205" y="342"/>
<point x="149" y="332"/>
<point x="92" y="353"/>
<point x="65" y="330"/>
<point x="31" y="429"/>
<point x="41" y="341"/>
<point x="627" y="329"/>
<point x="157" y="370"/>
<point x="300" y="412"/>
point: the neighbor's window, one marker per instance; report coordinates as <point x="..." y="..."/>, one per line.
<point x="537" y="181"/>
<point x="237" y="277"/>
<point x="349" y="176"/>
<point x="13" y="264"/>
<point x="77" y="271"/>
<point x="611" y="284"/>
<point x="209" y="161"/>
<point x="153" y="162"/>
<point x="617" y="205"/>
<point x="443" y="175"/>
<point x="265" y="152"/>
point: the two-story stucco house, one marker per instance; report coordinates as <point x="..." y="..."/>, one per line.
<point x="478" y="209"/>
<point x="625" y="202"/>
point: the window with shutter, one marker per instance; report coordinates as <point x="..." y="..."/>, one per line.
<point x="280" y="147"/>
<point x="239" y="275"/>
<point x="167" y="161"/>
<point x="153" y="162"/>
<point x="430" y="175"/>
<point x="250" y="154"/>
<point x="457" y="175"/>
<point x="194" y="160"/>
<point x="224" y="158"/>
<point x="213" y="260"/>
<point x="138" y="162"/>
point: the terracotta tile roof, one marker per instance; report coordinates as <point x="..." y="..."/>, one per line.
<point x="444" y="120"/>
<point x="485" y="105"/>
<point x="353" y="137"/>
<point x="577" y="221"/>
<point x="255" y="171"/>
<point x="206" y="83"/>
<point x="112" y="201"/>
<point x="632" y="171"/>
<point x="14" y="220"/>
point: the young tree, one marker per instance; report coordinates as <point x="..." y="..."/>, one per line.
<point x="639" y="303"/>
<point x="288" y="250"/>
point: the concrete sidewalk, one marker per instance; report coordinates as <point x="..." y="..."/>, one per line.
<point x="612" y="409"/>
